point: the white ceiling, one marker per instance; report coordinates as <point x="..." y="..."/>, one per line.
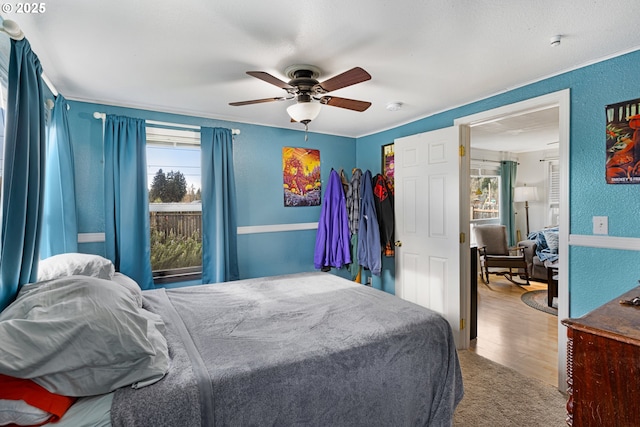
<point x="190" y="57"/>
<point x="530" y="131"/>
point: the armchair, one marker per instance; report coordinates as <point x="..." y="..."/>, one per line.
<point x="495" y="257"/>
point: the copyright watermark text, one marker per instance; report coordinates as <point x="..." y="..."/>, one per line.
<point x="23" y="7"/>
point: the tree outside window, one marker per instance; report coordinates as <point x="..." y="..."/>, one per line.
<point x="485" y="197"/>
<point x="171" y="188"/>
<point x="175" y="208"/>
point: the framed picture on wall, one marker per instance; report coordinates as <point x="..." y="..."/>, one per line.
<point x="388" y="164"/>
<point x="301" y="176"/>
<point x="623" y="142"/>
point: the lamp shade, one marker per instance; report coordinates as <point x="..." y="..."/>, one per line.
<point x="525" y="194"/>
<point x="304" y="112"/>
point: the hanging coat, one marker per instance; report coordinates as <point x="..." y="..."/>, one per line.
<point x="332" y="238"/>
<point x="369" y="250"/>
<point x="345" y="182"/>
<point x="353" y="208"/>
<point x="384" y="208"/>
<point x="353" y="201"/>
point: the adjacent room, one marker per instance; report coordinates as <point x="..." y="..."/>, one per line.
<point x="319" y="213"/>
<point x="528" y="144"/>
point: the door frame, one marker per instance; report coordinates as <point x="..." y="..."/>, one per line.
<point x="562" y="100"/>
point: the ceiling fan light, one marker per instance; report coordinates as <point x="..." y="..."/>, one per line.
<point x="304" y="112"/>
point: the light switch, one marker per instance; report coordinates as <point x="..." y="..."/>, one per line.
<point x="600" y="225"/>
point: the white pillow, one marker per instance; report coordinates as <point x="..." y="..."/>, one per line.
<point x="130" y="284"/>
<point x="81" y="336"/>
<point x="20" y="413"/>
<point x="552" y="240"/>
<point x="23" y="402"/>
<point x="75" y="264"/>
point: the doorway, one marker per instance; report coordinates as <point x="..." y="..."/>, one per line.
<point x="559" y="100"/>
<point x="519" y="337"/>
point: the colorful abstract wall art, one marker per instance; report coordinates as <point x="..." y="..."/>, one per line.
<point x="301" y="176"/>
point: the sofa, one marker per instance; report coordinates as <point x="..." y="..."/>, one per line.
<point x="539" y="247"/>
<point x="535" y="267"/>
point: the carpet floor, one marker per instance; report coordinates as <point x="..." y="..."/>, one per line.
<point x="497" y="396"/>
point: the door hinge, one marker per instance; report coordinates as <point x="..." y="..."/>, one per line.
<point x="462" y="151"/>
<point x="462" y="324"/>
<point x="462" y="237"/>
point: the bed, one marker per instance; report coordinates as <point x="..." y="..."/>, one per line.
<point x="300" y="349"/>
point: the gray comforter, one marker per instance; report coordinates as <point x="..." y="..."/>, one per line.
<point x="306" y="349"/>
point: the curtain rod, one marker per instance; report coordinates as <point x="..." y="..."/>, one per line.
<point x="195" y="128"/>
<point x="46" y="80"/>
<point x="12" y="29"/>
<point x="494" y="162"/>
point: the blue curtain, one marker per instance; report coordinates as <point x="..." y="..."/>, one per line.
<point x="23" y="181"/>
<point x="126" y="198"/>
<point x="508" y="171"/>
<point x="59" y="223"/>
<point x="219" y="229"/>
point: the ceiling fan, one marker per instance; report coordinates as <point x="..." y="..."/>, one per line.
<point x="309" y="93"/>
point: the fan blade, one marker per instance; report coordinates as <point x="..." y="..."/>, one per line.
<point x="349" y="104"/>
<point x="256" y="101"/>
<point x="269" y="79"/>
<point x="348" y="78"/>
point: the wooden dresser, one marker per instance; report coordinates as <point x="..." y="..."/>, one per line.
<point x="603" y="365"/>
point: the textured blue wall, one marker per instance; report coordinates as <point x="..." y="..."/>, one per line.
<point x="258" y="168"/>
<point x="596" y="275"/>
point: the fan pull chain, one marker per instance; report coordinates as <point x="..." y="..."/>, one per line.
<point x="306" y="129"/>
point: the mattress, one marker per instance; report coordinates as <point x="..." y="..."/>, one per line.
<point x="302" y="349"/>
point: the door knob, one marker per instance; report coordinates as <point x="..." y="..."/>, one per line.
<point x="398" y="243"/>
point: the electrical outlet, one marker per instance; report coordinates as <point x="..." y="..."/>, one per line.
<point x="600" y="225"/>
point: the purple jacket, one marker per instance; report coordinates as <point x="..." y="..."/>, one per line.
<point x="332" y="239"/>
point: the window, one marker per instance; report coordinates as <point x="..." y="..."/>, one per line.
<point x="484" y="194"/>
<point x="175" y="209"/>
<point x="485" y="197"/>
<point x="3" y="100"/>
<point x="553" y="192"/>
<point x="5" y="53"/>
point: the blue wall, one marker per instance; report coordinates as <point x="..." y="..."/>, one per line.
<point x="596" y="275"/>
<point x="258" y="169"/>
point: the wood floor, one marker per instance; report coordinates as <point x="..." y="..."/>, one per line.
<point x="514" y="334"/>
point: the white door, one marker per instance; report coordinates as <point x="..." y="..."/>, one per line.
<point x="430" y="253"/>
